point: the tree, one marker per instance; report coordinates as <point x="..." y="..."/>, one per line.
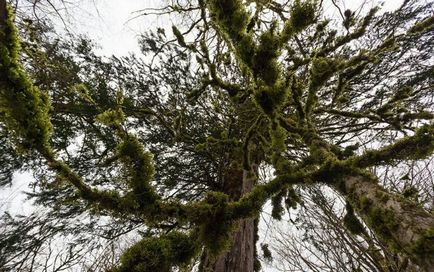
<point x="247" y="84"/>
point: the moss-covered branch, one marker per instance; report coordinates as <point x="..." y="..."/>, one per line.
<point x="25" y="108"/>
<point x="416" y="147"/>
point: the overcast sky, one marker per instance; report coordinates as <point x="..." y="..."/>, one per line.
<point x="115" y="26"/>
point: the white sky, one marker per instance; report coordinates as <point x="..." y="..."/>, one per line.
<point x="112" y="25"/>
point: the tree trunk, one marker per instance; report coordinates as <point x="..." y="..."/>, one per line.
<point x="241" y="255"/>
<point x="403" y="226"/>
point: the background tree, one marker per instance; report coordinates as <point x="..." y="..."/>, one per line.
<point x="245" y="84"/>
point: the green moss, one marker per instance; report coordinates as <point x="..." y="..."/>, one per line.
<point x="410" y="192"/>
<point x="292" y="198"/>
<point x="278" y="137"/>
<point x="425" y="25"/>
<point x="382" y="220"/>
<point x="415" y="147"/>
<point x="321" y="70"/>
<point x="158" y="253"/>
<point x="383" y="196"/>
<point x="140" y="169"/>
<point x="423" y="248"/>
<point x="179" y="36"/>
<point x="215" y="230"/>
<point x="111" y="117"/>
<point x="266" y="253"/>
<point x="232" y="17"/>
<point x="265" y="63"/>
<point x="271" y="99"/>
<point x="24" y="106"/>
<point x="302" y="14"/>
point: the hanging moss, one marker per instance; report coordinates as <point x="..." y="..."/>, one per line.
<point x="321" y="70"/>
<point x="233" y="18"/>
<point x="266" y="253"/>
<point x="265" y="63"/>
<point x="140" y="169"/>
<point x="179" y="36"/>
<point x="276" y="202"/>
<point x="292" y="198"/>
<point x="278" y="136"/>
<point x="158" y="253"/>
<point x="351" y="222"/>
<point x="302" y="14"/>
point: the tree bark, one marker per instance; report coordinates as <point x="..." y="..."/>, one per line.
<point x="403" y="226"/>
<point x="241" y="255"/>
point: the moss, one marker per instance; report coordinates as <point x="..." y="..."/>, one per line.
<point x="410" y="192"/>
<point x="24" y="106"/>
<point x="425" y="25"/>
<point x="302" y="14"/>
<point x="232" y="17"/>
<point x="140" y="169"/>
<point x="111" y="117"/>
<point x="82" y="90"/>
<point x="383" y="196"/>
<point x="423" y="247"/>
<point x="265" y="63"/>
<point x="215" y="230"/>
<point x="382" y="220"/>
<point x="365" y="203"/>
<point x="278" y="136"/>
<point x="292" y="198"/>
<point x="271" y="99"/>
<point x="266" y="253"/>
<point x="158" y="253"/>
<point x="351" y="222"/>
<point x="276" y="202"/>
<point x="321" y="70"/>
<point x="179" y="36"/>
<point x="415" y="147"/>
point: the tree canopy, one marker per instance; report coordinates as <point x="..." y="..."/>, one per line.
<point x="171" y="144"/>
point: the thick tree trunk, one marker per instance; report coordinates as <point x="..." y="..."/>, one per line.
<point x="241" y="255"/>
<point x="402" y="225"/>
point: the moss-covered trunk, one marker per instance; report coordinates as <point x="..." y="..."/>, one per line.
<point x="240" y="257"/>
<point x="403" y="226"/>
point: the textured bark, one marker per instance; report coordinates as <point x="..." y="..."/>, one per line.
<point x="402" y="225"/>
<point x="241" y="255"/>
